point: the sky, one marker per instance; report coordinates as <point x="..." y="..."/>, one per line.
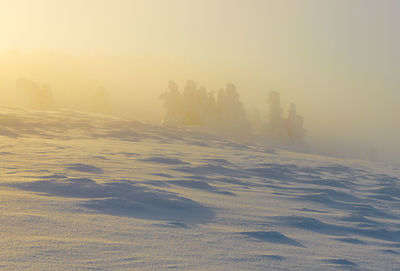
<point x="337" y="60"/>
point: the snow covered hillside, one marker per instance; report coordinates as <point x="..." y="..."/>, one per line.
<point x="80" y="191"/>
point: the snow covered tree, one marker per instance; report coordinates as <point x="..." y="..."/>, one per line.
<point x="275" y="128"/>
<point x="40" y="97"/>
<point x="173" y="104"/>
<point x="294" y="124"/>
<point x="280" y="129"/>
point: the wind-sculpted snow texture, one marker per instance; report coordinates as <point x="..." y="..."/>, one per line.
<point x="81" y="191"/>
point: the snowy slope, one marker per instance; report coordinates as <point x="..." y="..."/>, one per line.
<point x="89" y="192"/>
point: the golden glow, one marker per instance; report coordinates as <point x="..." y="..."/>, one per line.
<point x="335" y="59"/>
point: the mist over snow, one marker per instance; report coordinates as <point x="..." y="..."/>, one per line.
<point x="199" y="135"/>
<point x="130" y="87"/>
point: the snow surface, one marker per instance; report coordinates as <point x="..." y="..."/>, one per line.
<point x="89" y="192"/>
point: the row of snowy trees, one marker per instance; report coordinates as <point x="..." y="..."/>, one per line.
<point x="225" y="112"/>
<point x="197" y="107"/>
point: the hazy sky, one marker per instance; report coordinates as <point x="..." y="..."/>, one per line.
<point x="338" y="60"/>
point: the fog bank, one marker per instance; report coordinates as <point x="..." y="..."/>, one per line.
<point x="338" y="123"/>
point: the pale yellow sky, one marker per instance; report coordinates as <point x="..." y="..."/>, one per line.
<point x="338" y="60"/>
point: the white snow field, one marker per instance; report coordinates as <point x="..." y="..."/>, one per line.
<point x="88" y="192"/>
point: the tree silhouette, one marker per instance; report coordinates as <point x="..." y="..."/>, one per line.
<point x="40" y="97"/>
